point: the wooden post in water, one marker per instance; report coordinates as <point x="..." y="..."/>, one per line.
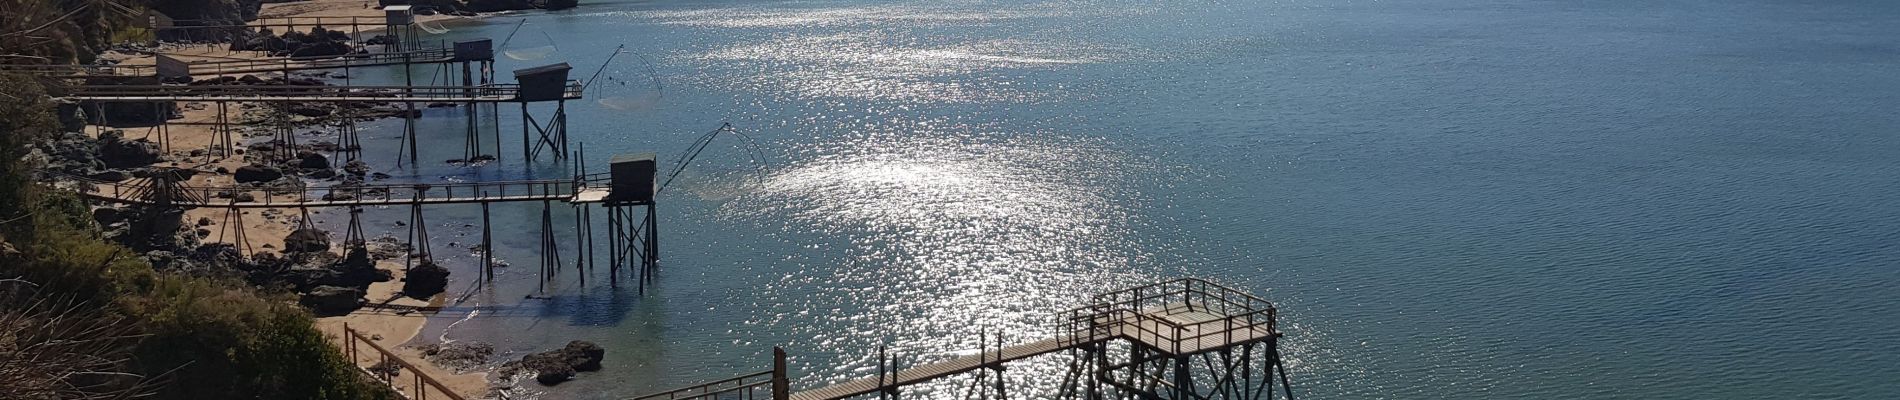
<point x="781" y="383"/>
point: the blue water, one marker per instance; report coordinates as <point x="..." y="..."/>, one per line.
<point x="1446" y="198"/>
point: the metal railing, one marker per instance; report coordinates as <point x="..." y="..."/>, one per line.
<point x="771" y="384"/>
<point x="387" y="367"/>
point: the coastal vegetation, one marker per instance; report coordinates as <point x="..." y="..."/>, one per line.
<point x="85" y="317"/>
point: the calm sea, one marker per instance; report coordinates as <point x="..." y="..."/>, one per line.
<point x="1446" y="198"/>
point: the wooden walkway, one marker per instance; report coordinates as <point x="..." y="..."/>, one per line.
<point x="283" y="64"/>
<point x="1178" y="329"/>
<point x="216" y="67"/>
<point x="492" y="93"/>
<point x="931" y="371"/>
<point x="139" y="191"/>
<point x="1177" y="319"/>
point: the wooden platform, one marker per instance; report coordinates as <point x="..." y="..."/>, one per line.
<point x="1177" y="329"/>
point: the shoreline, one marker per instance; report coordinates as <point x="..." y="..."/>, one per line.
<point x="265" y="229"/>
<point x="393" y="329"/>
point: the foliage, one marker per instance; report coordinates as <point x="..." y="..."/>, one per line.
<point x="57" y="348"/>
<point x="60" y="31"/>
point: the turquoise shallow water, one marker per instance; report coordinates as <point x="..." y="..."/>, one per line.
<point x="1447" y="198"/>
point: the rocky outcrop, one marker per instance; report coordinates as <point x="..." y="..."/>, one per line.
<point x="556" y="366"/>
<point x="312" y="160"/>
<point x="307" y="240"/>
<point x="307" y="271"/>
<point x="317" y="42"/>
<point x="332" y="300"/>
<point x="256" y="173"/>
<point x="358" y="270"/>
<point x="118" y="152"/>
<point x="458" y="356"/>
<point x="425" y="280"/>
<point x="154" y="228"/>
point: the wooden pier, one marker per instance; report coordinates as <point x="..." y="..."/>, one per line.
<point x="141" y="191"/>
<point x="199" y="68"/>
<point x="436" y="55"/>
<point x="1160" y="329"/>
<point x="632" y="246"/>
<point x="492" y="93"/>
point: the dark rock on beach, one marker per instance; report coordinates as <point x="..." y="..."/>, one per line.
<point x="111" y="175"/>
<point x="257" y="173"/>
<point x="556" y="366"/>
<point x="312" y="160"/>
<point x="307" y="240"/>
<point x="458" y="356"/>
<point x="118" y="152"/>
<point x="332" y="300"/>
<point x="425" y="280"/>
<point x="108" y="215"/>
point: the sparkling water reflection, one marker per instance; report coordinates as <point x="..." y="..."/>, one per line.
<point x="1449" y="198"/>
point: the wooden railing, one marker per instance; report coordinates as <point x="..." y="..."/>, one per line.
<point x="139" y="191"/>
<point x="246" y="66"/>
<point x="759" y="385"/>
<point x="421" y="386"/>
<point x="81" y="70"/>
<point x="282" y="22"/>
<point x="1128" y="312"/>
<point x="504" y="92"/>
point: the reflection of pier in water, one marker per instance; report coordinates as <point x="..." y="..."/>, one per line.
<point x="1180" y="339"/>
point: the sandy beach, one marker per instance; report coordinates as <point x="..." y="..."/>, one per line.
<point x="334" y="8"/>
<point x="392" y="327"/>
<point x="390" y="320"/>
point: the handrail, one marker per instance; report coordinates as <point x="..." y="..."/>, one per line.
<point x="1127" y="312"/>
<point x="291" y="22"/>
<point x="542" y="189"/>
<point x="777" y="385"/>
<point x="386" y="357"/>
<point x="240" y="66"/>
<point x="83" y="70"/>
<point x="714" y="389"/>
<point x="497" y="91"/>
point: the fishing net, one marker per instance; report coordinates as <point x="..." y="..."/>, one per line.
<point x="627" y="82"/>
<point x="434" y="28"/>
<point x="531" y="53"/>
<point x="534" y="44"/>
